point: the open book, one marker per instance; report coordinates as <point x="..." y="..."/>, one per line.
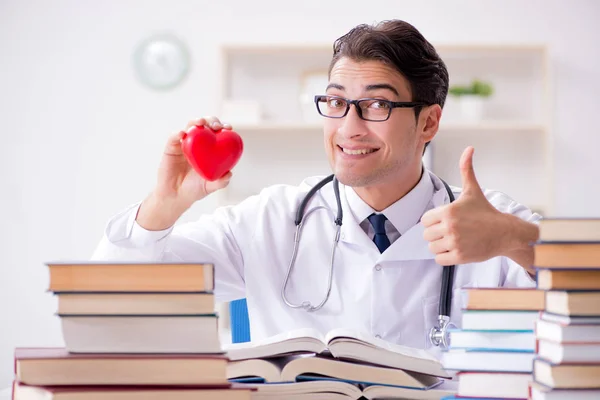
<point x="311" y="367"/>
<point x="331" y="390"/>
<point x="342" y="344"/>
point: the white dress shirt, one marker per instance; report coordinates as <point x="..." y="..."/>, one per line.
<point x="393" y="295"/>
<point x="401" y="216"/>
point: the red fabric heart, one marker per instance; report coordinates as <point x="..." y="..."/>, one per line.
<point x="212" y="154"/>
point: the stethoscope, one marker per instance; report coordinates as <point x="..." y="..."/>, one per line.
<point x="437" y="335"/>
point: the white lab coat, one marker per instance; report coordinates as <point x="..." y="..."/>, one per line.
<point x="393" y="295"/>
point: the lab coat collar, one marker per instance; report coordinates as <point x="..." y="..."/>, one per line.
<point x="404" y="213"/>
<point x="411" y="245"/>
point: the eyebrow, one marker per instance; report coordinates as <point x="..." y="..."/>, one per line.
<point x="369" y="88"/>
<point x="383" y="86"/>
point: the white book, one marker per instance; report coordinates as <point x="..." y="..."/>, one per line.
<point x="492" y="340"/>
<point x="493" y="361"/>
<point x="141" y="334"/>
<point x="556" y="332"/>
<point x="503" y="385"/>
<point x="540" y="392"/>
<point x="559" y="353"/>
<point x="499" y="320"/>
<point x="570" y="320"/>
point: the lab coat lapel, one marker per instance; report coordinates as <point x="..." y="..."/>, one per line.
<point x="354" y="234"/>
<point x="351" y="231"/>
<point x="411" y="245"/>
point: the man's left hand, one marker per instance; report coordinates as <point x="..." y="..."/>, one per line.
<point x="468" y="229"/>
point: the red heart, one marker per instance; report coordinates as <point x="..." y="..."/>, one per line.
<point x="212" y="154"/>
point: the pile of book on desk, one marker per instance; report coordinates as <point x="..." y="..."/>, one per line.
<point x="493" y="351"/>
<point x="150" y="331"/>
<point x="131" y="331"/>
<point x="567" y="261"/>
<point x="343" y="364"/>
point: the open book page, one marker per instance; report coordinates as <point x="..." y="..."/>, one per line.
<point x="315" y="367"/>
<point x="257" y="370"/>
<point x="328" y="389"/>
<point x="359" y="346"/>
<point x="293" y="342"/>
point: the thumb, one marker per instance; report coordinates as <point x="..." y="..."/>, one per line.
<point x="469" y="181"/>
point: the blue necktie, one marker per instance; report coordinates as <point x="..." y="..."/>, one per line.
<point x="381" y="240"/>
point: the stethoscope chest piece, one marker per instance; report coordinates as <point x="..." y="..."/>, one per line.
<point x="438" y="335"/>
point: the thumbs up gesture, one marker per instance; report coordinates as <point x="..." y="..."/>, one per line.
<point x="466" y="230"/>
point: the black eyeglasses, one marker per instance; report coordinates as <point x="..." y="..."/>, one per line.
<point x="377" y="110"/>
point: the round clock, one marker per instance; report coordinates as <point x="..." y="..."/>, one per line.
<point x="161" y="61"/>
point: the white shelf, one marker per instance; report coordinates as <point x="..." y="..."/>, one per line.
<point x="293" y="127"/>
<point x="513" y="141"/>
<point x="492" y="126"/>
<point x="276" y="127"/>
<point x="319" y="47"/>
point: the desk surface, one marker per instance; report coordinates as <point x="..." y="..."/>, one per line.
<point x="5" y="394"/>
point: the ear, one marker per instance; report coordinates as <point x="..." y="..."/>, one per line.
<point x="429" y="122"/>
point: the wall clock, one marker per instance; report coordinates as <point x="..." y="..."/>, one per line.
<point x="161" y="62"/>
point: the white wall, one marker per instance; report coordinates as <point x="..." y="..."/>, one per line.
<point x="81" y="138"/>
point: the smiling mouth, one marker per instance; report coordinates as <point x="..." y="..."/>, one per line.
<point x="355" y="152"/>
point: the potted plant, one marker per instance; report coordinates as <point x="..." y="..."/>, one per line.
<point x="471" y="98"/>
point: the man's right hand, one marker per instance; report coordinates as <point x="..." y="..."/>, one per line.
<point x="178" y="185"/>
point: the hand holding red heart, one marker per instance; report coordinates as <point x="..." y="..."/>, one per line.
<point x="466" y="230"/>
<point x="179" y="184"/>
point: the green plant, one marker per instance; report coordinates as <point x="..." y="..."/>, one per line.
<point x="477" y="88"/>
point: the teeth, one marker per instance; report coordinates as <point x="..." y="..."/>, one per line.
<point x="359" y="151"/>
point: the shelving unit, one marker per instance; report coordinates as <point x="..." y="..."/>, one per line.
<point x="284" y="143"/>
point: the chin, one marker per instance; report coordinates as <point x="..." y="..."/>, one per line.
<point x="351" y="179"/>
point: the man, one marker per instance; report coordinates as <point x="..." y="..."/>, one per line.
<point x="398" y="226"/>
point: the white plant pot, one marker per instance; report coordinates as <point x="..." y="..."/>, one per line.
<point x="471" y="107"/>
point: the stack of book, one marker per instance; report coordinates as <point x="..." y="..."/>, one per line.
<point x="493" y="351"/>
<point x="344" y="364"/>
<point x="567" y="261"/>
<point x="131" y="331"/>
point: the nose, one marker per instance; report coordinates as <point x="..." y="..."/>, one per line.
<point x="352" y="125"/>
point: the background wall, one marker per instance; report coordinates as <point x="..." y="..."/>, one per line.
<point x="81" y="138"/>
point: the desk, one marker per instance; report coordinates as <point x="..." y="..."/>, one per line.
<point x="5" y="394"/>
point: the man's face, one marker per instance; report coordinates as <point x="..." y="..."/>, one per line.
<point x="392" y="147"/>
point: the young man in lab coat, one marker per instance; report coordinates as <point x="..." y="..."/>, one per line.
<point x="390" y="287"/>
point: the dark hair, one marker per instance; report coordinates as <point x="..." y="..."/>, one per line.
<point x="401" y="46"/>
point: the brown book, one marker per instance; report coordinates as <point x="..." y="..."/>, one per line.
<point x="503" y="299"/>
<point x="567" y="255"/>
<point x="57" y="367"/>
<point x="566" y="376"/>
<point x="565" y="279"/>
<point x="573" y="303"/>
<point x="130" y="277"/>
<point x="232" y="392"/>
<point x="135" y="303"/>
<point x="569" y="230"/>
